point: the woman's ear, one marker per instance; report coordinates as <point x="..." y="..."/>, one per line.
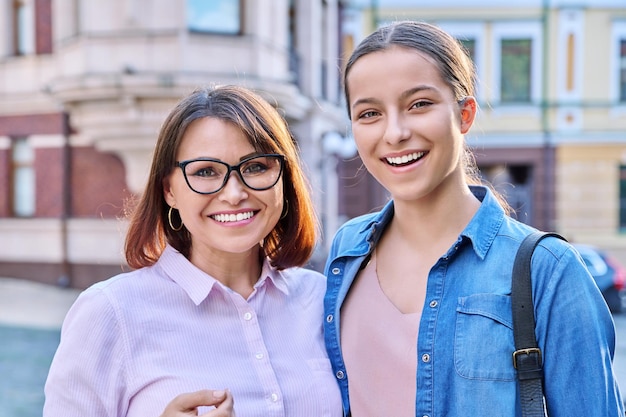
<point x="468" y="108"/>
<point x="168" y="193"/>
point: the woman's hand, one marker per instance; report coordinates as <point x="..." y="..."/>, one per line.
<point x="187" y="404"/>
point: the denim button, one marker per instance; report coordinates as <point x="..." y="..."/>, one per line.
<point x="329" y="318"/>
<point x="426" y="357"/>
<point x="433" y="304"/>
<point x="336" y="271"/>
<point x="340" y="375"/>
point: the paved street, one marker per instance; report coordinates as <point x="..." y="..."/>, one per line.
<point x="30" y="318"/>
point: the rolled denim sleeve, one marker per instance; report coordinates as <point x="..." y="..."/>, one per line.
<point x="577" y="335"/>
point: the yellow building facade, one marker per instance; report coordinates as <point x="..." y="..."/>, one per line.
<point x="551" y="133"/>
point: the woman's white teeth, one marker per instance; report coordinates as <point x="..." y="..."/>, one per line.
<point x="225" y="218"/>
<point x="404" y="159"/>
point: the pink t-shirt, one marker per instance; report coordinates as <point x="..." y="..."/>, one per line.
<point x="379" y="345"/>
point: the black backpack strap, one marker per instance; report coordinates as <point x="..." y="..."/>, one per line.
<point x="527" y="356"/>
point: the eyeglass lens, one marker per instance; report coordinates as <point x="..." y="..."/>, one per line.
<point x="209" y="176"/>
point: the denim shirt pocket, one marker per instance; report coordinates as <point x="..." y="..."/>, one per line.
<point x="483" y="340"/>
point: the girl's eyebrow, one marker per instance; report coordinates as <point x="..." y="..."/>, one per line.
<point x="367" y="100"/>
<point x="406" y="94"/>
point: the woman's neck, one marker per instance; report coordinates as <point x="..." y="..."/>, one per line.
<point x="237" y="271"/>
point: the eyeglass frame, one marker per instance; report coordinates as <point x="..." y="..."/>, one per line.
<point x="230" y="169"/>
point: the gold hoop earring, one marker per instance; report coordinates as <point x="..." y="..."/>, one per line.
<point x="285" y="209"/>
<point x="169" y="220"/>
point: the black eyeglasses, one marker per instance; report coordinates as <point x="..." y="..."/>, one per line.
<point x="208" y="175"/>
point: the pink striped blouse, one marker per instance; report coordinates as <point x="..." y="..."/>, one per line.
<point x="130" y="344"/>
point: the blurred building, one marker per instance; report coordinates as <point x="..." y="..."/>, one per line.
<point x="85" y="86"/>
<point x="551" y="134"/>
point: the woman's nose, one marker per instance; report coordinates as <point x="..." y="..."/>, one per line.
<point x="234" y="191"/>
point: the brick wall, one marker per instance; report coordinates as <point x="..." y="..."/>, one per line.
<point x="98" y="184"/>
<point x="32" y="124"/>
<point x="5" y="180"/>
<point x="43" y="26"/>
<point x="48" y="182"/>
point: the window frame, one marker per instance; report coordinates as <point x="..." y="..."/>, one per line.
<point x="476" y="32"/>
<point x="216" y="31"/>
<point x="23" y="27"/>
<point x="618" y="35"/>
<point x="14" y="192"/>
<point x="518" y="30"/>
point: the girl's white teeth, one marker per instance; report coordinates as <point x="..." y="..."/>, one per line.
<point x="399" y="160"/>
<point x="225" y="218"/>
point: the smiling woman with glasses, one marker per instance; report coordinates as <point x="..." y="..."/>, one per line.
<point x="217" y="242"/>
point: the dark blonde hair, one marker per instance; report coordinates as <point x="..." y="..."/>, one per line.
<point x="455" y="66"/>
<point x="292" y="240"/>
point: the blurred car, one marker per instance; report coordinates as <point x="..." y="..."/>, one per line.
<point x="608" y="273"/>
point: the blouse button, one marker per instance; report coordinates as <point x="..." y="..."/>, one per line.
<point x="433" y="304"/>
<point x="259" y="355"/>
<point x="247" y="316"/>
<point x="329" y="318"/>
<point x="339" y="375"/>
<point x="274" y="397"/>
<point x="426" y="358"/>
<point x="336" y="271"/>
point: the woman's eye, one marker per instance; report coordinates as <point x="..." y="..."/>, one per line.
<point x="254" y="168"/>
<point x="204" y="172"/>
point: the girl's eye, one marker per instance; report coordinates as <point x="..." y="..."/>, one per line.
<point x="420" y="104"/>
<point x="368" y="114"/>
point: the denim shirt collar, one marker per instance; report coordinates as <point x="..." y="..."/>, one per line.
<point x="484" y="226"/>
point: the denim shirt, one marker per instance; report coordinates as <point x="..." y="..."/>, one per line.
<point x="465" y="340"/>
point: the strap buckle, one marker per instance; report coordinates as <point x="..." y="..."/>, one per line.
<point x="533" y="357"/>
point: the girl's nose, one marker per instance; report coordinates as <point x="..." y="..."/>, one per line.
<point x="234" y="191"/>
<point x="396" y="130"/>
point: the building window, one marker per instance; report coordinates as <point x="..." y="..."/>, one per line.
<point x="622" y="70"/>
<point x="23" y="178"/>
<point x="618" y="63"/>
<point x="472" y="37"/>
<point x="23" y="19"/>
<point x="622" y="197"/>
<point x="215" y="16"/>
<point x="515" y="74"/>
<point x="470" y="47"/>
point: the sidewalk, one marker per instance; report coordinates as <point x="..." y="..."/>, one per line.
<point x="30" y="304"/>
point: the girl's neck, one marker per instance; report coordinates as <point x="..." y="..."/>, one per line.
<point x="438" y="217"/>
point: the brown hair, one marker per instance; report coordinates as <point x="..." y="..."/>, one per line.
<point x="292" y="240"/>
<point x="455" y="66"/>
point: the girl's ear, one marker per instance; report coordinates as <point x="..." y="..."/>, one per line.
<point x="468" y="108"/>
